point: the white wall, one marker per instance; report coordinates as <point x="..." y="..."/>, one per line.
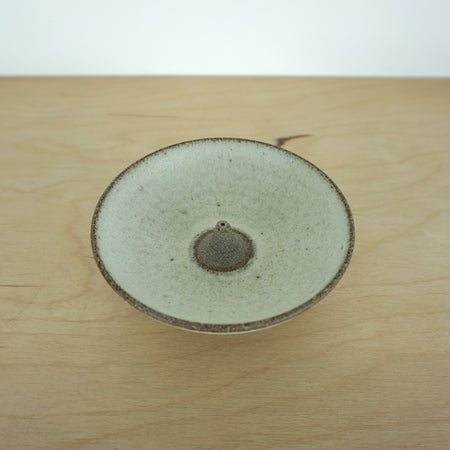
<point x="284" y="37"/>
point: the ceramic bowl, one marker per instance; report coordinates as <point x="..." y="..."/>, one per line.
<point x="222" y="235"/>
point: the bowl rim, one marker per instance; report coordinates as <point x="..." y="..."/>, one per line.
<point x="217" y="327"/>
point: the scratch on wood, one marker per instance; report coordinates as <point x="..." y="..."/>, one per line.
<point x="153" y="116"/>
<point x="20" y="285"/>
<point x="282" y="140"/>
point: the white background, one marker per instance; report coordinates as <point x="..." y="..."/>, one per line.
<point x="246" y="37"/>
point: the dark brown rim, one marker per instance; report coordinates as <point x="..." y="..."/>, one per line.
<point x="221" y="328"/>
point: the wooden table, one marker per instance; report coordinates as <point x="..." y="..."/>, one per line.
<point x="368" y="367"/>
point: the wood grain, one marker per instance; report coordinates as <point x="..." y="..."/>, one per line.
<point x="366" y="368"/>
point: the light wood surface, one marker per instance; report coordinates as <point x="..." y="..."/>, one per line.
<point x="368" y="367"/>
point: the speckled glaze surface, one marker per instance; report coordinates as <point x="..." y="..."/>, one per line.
<point x="147" y="221"/>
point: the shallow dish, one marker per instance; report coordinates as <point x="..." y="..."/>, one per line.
<point x="222" y="235"/>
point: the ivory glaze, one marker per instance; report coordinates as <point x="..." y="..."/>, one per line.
<point x="148" y="219"/>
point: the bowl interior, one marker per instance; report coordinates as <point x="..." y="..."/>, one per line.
<point x="148" y="219"/>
